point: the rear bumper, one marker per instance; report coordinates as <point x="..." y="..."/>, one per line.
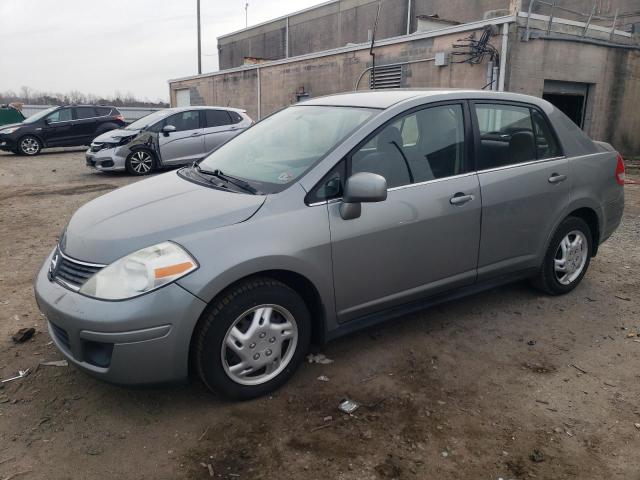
<point x="143" y="340"/>
<point x="613" y="212"/>
<point x="107" y="159"/>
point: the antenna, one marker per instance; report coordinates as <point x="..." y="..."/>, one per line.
<point x="246" y="15"/>
<point x="373" y="39"/>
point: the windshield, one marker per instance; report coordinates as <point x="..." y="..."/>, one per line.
<point x="282" y="147"/>
<point x="147" y="120"/>
<point x="37" y="116"/>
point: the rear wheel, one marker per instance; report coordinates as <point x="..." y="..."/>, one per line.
<point x="140" y="162"/>
<point x="252" y="339"/>
<point x="567" y="258"/>
<point x="29" y="145"/>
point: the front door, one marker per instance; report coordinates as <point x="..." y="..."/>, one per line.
<point x="57" y="128"/>
<point x="525" y="186"/>
<point x="424" y="238"/>
<point x="186" y="143"/>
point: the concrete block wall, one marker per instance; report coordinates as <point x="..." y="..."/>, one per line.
<point x="332" y="73"/>
<point x="613" y="75"/>
<point x="340" y="23"/>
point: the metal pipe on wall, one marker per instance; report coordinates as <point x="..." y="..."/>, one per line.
<point x="259" y="93"/>
<point x="408" y="17"/>
<point x="503" y="56"/>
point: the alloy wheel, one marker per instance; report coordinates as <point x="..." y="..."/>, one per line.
<point x="259" y="344"/>
<point x="141" y="162"/>
<point x="30" y="146"/>
<point x="571" y="257"/>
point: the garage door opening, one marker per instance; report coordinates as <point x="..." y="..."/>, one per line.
<point x="570" y="98"/>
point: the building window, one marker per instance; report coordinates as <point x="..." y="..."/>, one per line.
<point x="183" y="97"/>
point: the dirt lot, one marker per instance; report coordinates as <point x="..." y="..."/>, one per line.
<point x="468" y="390"/>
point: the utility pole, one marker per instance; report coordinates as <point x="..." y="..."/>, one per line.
<point x="199" y="43"/>
<point x="246" y="15"/>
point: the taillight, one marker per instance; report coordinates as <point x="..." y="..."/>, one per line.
<point x="119" y="117"/>
<point x="620" y="175"/>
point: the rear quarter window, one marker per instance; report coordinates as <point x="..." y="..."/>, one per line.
<point x="106" y="111"/>
<point x="235" y="117"/>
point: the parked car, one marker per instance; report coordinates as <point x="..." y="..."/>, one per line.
<point x="10" y="115"/>
<point x="326" y="217"/>
<point x="175" y="136"/>
<point x="68" y="126"/>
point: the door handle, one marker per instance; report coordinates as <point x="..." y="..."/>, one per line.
<point x="557" y="178"/>
<point x="460" y="199"/>
<point x="195" y="134"/>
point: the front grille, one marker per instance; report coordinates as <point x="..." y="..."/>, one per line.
<point x="61" y="335"/>
<point x="73" y="273"/>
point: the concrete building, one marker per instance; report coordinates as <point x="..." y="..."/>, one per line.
<point x="582" y="55"/>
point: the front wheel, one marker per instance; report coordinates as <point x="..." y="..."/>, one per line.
<point x="252" y="339"/>
<point x="567" y="258"/>
<point x="29" y="145"/>
<point x="140" y="162"/>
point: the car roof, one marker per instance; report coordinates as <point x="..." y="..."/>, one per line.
<point x="202" y="107"/>
<point x="386" y="98"/>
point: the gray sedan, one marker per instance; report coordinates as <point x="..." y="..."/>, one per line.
<point x="326" y="217"/>
<point x="166" y="138"/>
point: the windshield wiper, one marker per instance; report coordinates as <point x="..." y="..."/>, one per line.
<point x="227" y="178"/>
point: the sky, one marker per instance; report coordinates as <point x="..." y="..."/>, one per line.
<point x="134" y="46"/>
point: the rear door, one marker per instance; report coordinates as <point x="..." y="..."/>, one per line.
<point x="524" y="179"/>
<point x="85" y="125"/>
<point x="57" y="129"/>
<point x="218" y="129"/>
<point x="186" y="143"/>
<point x="424" y="238"/>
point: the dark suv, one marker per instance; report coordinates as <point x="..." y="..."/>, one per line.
<point x="68" y="126"/>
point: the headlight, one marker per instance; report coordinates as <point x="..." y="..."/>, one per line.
<point x="140" y="272"/>
<point x="125" y="140"/>
<point x="7" y="131"/>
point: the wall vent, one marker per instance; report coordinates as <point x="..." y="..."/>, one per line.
<point x="386" y="77"/>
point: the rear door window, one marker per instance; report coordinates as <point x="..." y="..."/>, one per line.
<point x="512" y="134"/>
<point x="103" y="111"/>
<point x="217" y="118"/>
<point x="85" y="112"/>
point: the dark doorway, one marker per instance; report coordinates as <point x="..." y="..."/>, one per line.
<point x="571" y="98"/>
<point x="571" y="105"/>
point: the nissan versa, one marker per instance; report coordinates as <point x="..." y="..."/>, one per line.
<point x="166" y="138"/>
<point x="328" y="216"/>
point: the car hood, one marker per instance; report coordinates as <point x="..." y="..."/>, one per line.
<point x="165" y="207"/>
<point x="115" y="135"/>
<point x="9" y="125"/>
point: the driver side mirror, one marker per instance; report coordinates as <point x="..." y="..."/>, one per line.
<point x="47" y="121"/>
<point x="362" y="187"/>
<point x="167" y="129"/>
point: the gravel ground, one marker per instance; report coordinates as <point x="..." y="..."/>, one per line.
<point x="504" y="384"/>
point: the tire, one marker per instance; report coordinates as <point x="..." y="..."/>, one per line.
<point x="140" y="162"/>
<point x="244" y="307"/>
<point x="551" y="279"/>
<point x="29" y="145"/>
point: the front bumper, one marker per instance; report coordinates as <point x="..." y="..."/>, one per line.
<point x="143" y="340"/>
<point x="7" y="143"/>
<point x="107" y="159"/>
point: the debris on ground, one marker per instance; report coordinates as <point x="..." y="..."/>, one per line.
<point x="536" y="456"/>
<point x="620" y="297"/>
<point x="23" y="334"/>
<point x="209" y="467"/>
<point x="531" y="343"/>
<point x="319" y="358"/>
<point x="21" y="374"/>
<point x="55" y="363"/>
<point x="637" y="425"/>
<point x="348" y="406"/>
<point x="323" y="378"/>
